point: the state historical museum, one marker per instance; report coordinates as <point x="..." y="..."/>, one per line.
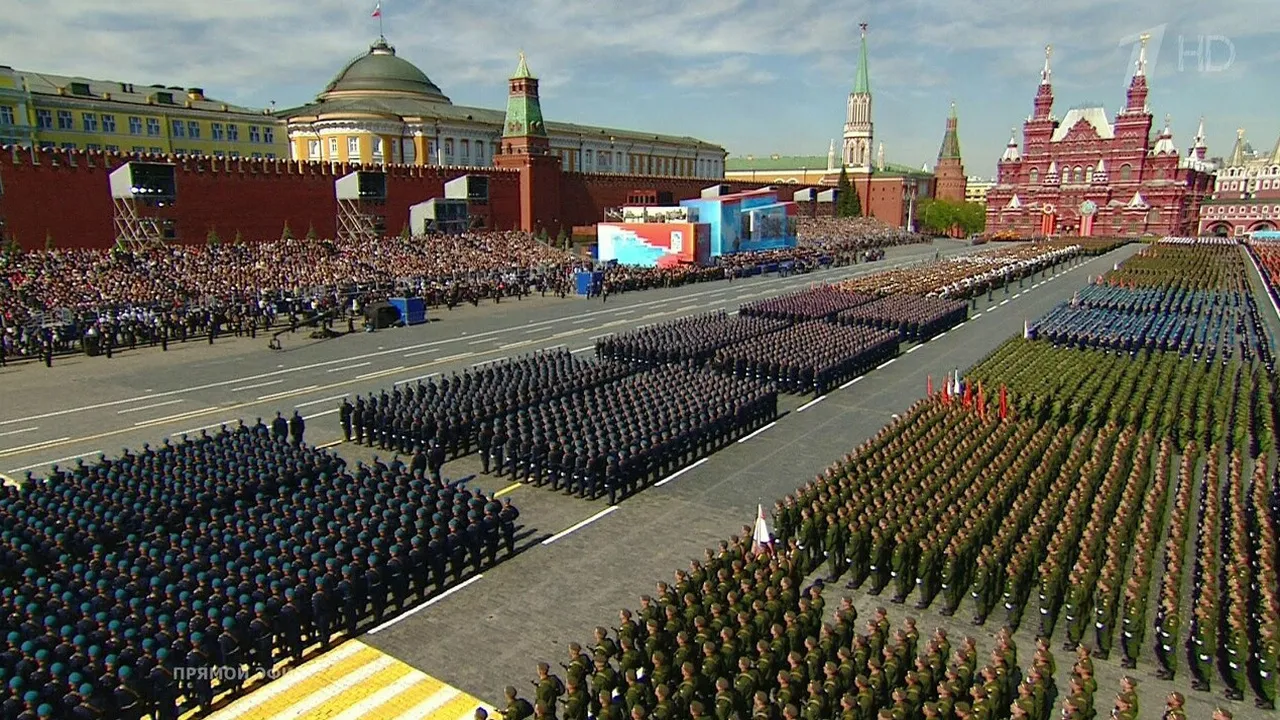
<point x="1086" y="175"/>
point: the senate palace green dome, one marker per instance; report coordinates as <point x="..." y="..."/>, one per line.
<point x="380" y="71"/>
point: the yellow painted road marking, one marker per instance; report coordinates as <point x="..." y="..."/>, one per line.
<point x="508" y="489"/>
<point x="352" y="682"/>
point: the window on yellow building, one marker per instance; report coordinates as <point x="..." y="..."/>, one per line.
<point x="268" y="135"/>
<point x="157" y="151"/>
<point x="89" y="122"/>
<point x="215" y="131"/>
<point x="6" y="115"/>
<point x="65" y="121"/>
<point x="353" y="148"/>
<point x="333" y="148"/>
<point x="178" y="129"/>
<point x="233" y="132"/>
<point x="113" y="148"/>
<point x="377" y="146"/>
<point x="135" y="125"/>
<point x="44" y="120"/>
<point x="193" y="129"/>
<point x="255" y="134"/>
<point x="68" y="146"/>
<point x="153" y="127"/>
<point x="93" y="147"/>
<point x="108" y="123"/>
<point x="137" y="150"/>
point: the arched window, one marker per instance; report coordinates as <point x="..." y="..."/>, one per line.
<point x="1034" y="176"/>
<point x="1079" y="174"/>
<point x="1088" y="174"/>
<point x="1126" y="172"/>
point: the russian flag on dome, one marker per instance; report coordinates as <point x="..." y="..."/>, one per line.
<point x="377" y="10"/>
<point x="761" y="536"/>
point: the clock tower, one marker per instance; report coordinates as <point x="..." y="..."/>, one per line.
<point x="527" y="148"/>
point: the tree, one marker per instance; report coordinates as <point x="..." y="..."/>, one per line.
<point x="848" y="204"/>
<point x="943" y="217"/>
<point x="562" y="240"/>
<point x="212" y="237"/>
<point x="543" y="237"/>
<point x="287" y="233"/>
<point x="311" y="232"/>
<point x="48" y="240"/>
<point x="239" y="239"/>
<point x="405" y="234"/>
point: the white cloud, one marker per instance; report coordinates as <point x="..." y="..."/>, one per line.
<point x="730" y="71"/>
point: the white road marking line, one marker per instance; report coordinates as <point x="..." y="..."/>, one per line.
<point x="33" y="446"/>
<point x="1016" y="296"/>
<point x="171" y="418"/>
<point x="857" y="379"/>
<point x="349" y="367"/>
<point x="566" y="333"/>
<point x="19" y="432"/>
<point x="388" y="371"/>
<point x="757" y="432"/>
<point x="148" y="407"/>
<point x="425" y="708"/>
<point x="582" y="350"/>
<point x="335" y="688"/>
<point x="320" y="414"/>
<point x="1004" y="302"/>
<point x="321" y="400"/>
<point x="521" y="343"/>
<point x="331" y="443"/>
<point x="414" y="379"/>
<point x="486" y="362"/>
<point x="578" y="526"/>
<point x="427" y="604"/>
<point x="941" y="334"/>
<point x="419" y="352"/>
<point x="915" y="348"/>
<point x="481" y="341"/>
<point x="55" y="462"/>
<point x="283" y="393"/>
<point x="193" y="431"/>
<point x="582" y="321"/>
<point x="535" y="330"/>
<point x="679" y="472"/>
<point x="811" y="403"/>
<point x="597" y="337"/>
<point x="886" y="363"/>
<point x="287" y="681"/>
<point x="459" y="356"/>
<point x="269" y="383"/>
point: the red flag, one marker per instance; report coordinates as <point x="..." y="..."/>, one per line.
<point x="929" y="386"/>
<point x="377" y="10"/>
<point x="1004" y="403"/>
<point x="968" y="394"/>
<point x="946" y="393"/>
<point x="982" y="402"/>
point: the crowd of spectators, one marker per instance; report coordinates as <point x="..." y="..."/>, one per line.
<point x="52" y="300"/>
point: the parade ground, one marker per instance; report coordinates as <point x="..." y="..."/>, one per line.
<point x="577" y="562"/>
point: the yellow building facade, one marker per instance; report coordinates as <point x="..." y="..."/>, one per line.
<point x="382" y="109"/>
<point x="75" y="113"/>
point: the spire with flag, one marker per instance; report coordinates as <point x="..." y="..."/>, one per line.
<point x="377" y="12"/>
<point x="761" y="536"/>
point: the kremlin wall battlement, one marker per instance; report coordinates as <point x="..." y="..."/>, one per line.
<point x="64" y="197"/>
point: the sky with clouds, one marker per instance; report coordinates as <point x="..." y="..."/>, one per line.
<point x="756" y="77"/>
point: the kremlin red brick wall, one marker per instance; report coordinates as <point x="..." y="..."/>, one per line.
<point x="65" y="197"/>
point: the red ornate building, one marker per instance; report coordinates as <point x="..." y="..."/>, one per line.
<point x="1246" y="193"/>
<point x="949" y="178"/>
<point x="1086" y="175"/>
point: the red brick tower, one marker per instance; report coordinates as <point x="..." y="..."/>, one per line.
<point x="949" y="177"/>
<point x="526" y="148"/>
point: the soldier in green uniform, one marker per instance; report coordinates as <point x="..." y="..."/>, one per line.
<point x="548" y="688"/>
<point x="576" y="703"/>
<point x="517" y="708"/>
<point x="1174" y="707"/>
<point x="607" y="708"/>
